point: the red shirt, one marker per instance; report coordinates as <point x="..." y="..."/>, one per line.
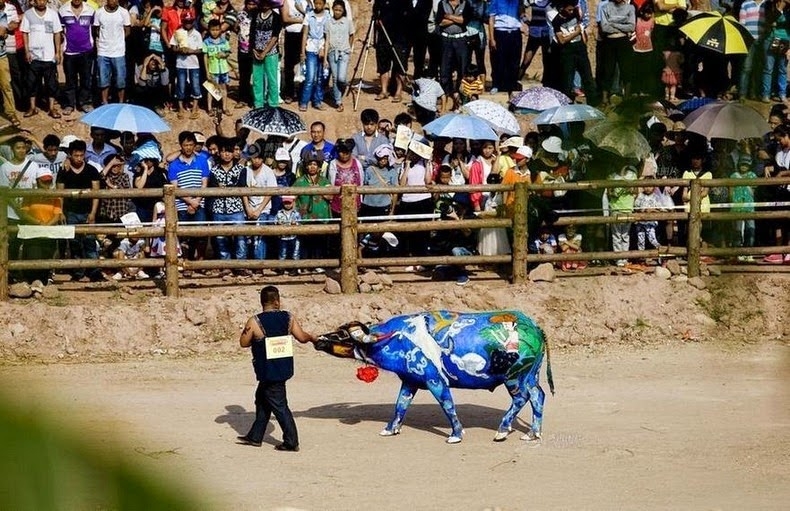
<point x="172" y="17"/>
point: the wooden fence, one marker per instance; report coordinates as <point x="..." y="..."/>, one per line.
<point x="350" y="227"/>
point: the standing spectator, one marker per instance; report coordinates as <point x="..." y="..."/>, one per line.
<point x="539" y="38"/>
<point x="190" y="170"/>
<point x="392" y="47"/>
<point x="369" y="139"/>
<point x="15" y="48"/>
<point x="417" y="171"/>
<point x="220" y="10"/>
<point x="188" y="45"/>
<point x="344" y="170"/>
<point x="643" y="71"/>
<point x="99" y="148"/>
<point x="289" y="243"/>
<point x="776" y="44"/>
<point x="77" y="173"/>
<point x="111" y="210"/>
<point x="226" y="173"/>
<point x="340" y="38"/>
<point x="621" y="201"/>
<point x="259" y="207"/>
<point x="618" y="22"/>
<point x="416" y="16"/>
<point x="111" y="27"/>
<point x="314" y="56"/>
<point x="320" y="144"/>
<point x="452" y="16"/>
<point x="216" y="50"/>
<point x="147" y="175"/>
<point x="9" y="21"/>
<point x="51" y="157"/>
<point x="171" y="21"/>
<point x="380" y="172"/>
<point x="504" y="39"/>
<point x="264" y="35"/>
<point x="571" y="39"/>
<point x="313" y="207"/>
<point x="243" y="53"/>
<point x="743" y="201"/>
<point x="78" y="55"/>
<point x="41" y="30"/>
<point x="647" y="201"/>
<point x="293" y="12"/>
<point x="749" y="17"/>
<point x="472" y="87"/>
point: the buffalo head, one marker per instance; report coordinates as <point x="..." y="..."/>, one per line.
<point x="342" y="342"/>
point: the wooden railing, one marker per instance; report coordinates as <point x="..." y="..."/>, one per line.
<point x="350" y="227"/>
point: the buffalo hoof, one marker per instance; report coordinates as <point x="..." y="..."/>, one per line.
<point x="387" y="432"/>
<point x="454" y="439"/>
<point x="531" y="436"/>
<point x="501" y="436"/>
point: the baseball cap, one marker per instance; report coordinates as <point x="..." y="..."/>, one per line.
<point x="288" y="198"/>
<point x="281" y="154"/>
<point x="67" y="140"/>
<point x="45" y="176"/>
<point x="187" y="16"/>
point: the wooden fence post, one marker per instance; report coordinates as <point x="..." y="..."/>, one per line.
<point x="695" y="229"/>
<point x="520" y="234"/>
<point x="348" y="239"/>
<point x="4" y="240"/>
<point x="171" y="242"/>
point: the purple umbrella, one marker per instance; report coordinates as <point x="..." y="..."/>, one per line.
<point x="539" y="99"/>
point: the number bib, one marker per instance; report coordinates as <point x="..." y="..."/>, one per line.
<point x="280" y="346"/>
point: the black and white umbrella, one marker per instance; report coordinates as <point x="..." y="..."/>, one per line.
<point x="274" y="121"/>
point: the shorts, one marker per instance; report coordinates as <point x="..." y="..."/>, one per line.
<point x="110" y="67"/>
<point x="221" y="78"/>
<point x="385" y="58"/>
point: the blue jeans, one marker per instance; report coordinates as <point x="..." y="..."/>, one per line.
<point x="82" y="246"/>
<point x="338" y="66"/>
<point x="289" y="249"/>
<point x="109" y="66"/>
<point x="259" y="243"/>
<point x="224" y="243"/>
<point x="746" y="71"/>
<point x="773" y="62"/>
<point x="184" y="75"/>
<point x="311" y="88"/>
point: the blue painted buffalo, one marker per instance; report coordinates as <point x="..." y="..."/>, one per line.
<point x="440" y="350"/>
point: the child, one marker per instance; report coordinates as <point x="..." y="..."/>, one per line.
<point x="264" y="33"/>
<point x="340" y="37"/>
<point x="472" y="85"/>
<point x="157" y="247"/>
<point x="130" y="248"/>
<point x="672" y="74"/>
<point x="620" y="201"/>
<point x="648" y="201"/>
<point x="571" y="243"/>
<point x="493" y="240"/>
<point x="188" y="45"/>
<point x="216" y="50"/>
<point x="314" y="55"/>
<point x="545" y="243"/>
<point x="743" y="199"/>
<point x="289" y="243"/>
<point x="643" y="50"/>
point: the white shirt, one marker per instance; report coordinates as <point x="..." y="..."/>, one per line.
<point x="9" y="174"/>
<point x="112" y="41"/>
<point x="191" y="40"/>
<point x="41" y="30"/>
<point x="264" y="179"/>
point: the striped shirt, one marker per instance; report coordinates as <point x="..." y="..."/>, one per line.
<point x="538" y="24"/>
<point x="188" y="175"/>
<point x="749" y="17"/>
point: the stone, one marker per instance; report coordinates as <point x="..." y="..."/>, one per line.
<point x="680" y="278"/>
<point x="16" y="329"/>
<point x="697" y="282"/>
<point x="332" y="287"/>
<point x="377" y="288"/>
<point x="715" y="271"/>
<point x="364" y="287"/>
<point x="195" y="316"/>
<point x="370" y="277"/>
<point x="385" y="280"/>
<point x="37" y="286"/>
<point x="20" y="290"/>
<point x="662" y="273"/>
<point x="543" y="273"/>
<point x="50" y="291"/>
<point x="673" y="267"/>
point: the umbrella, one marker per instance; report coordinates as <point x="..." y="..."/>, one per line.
<point x="728" y="120"/>
<point x="496" y="115"/>
<point x="125" y="117"/>
<point x="460" y="126"/>
<point x="694" y="103"/>
<point x="620" y="139"/>
<point x="715" y="32"/>
<point x="426" y="92"/>
<point x="274" y="121"/>
<point x="568" y="113"/>
<point x="539" y="99"/>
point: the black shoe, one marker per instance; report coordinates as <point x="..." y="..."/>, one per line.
<point x="245" y="440"/>
<point x="283" y="447"/>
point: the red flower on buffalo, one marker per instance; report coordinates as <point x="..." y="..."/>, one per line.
<point x="368" y="373"/>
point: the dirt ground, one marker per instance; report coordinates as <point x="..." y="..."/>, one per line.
<point x="667" y="396"/>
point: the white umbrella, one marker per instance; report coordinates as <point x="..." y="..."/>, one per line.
<point x="496" y="115"/>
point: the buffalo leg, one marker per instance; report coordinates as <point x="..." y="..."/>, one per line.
<point x="519" y="395"/>
<point x="536" y="397"/>
<point x="442" y="394"/>
<point x="405" y="397"/>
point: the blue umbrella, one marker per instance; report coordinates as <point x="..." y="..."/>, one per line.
<point x="694" y="103"/>
<point x="568" y="113"/>
<point x="125" y="117"/>
<point x="460" y="126"/>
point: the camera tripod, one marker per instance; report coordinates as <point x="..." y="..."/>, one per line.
<point x="363" y="58"/>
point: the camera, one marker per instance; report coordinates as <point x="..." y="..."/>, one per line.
<point x="446" y="209"/>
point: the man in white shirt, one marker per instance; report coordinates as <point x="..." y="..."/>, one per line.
<point x="41" y="30"/>
<point x="9" y="21"/>
<point x="111" y="26"/>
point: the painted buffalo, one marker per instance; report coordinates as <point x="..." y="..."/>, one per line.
<point x="439" y="350"/>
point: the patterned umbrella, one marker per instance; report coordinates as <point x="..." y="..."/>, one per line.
<point x="732" y="121"/>
<point x="426" y="92"/>
<point x="619" y="138"/>
<point x="568" y="113"/>
<point x="460" y="126"/>
<point x="715" y="32"/>
<point x="496" y="115"/>
<point x="694" y="103"/>
<point x="126" y="117"/>
<point x="539" y="99"/>
<point x="274" y="121"/>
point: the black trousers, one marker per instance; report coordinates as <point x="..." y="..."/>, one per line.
<point x="245" y="77"/>
<point x="455" y="57"/>
<point x="292" y="50"/>
<point x="506" y="59"/>
<point x="573" y="57"/>
<point x="78" y="69"/>
<point x="270" y="398"/>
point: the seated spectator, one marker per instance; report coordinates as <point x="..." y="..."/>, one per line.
<point x="153" y="83"/>
<point x="545" y="243"/>
<point x="131" y="248"/>
<point x="570" y="242"/>
<point x="472" y="86"/>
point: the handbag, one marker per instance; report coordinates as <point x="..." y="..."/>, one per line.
<point x="779" y="46"/>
